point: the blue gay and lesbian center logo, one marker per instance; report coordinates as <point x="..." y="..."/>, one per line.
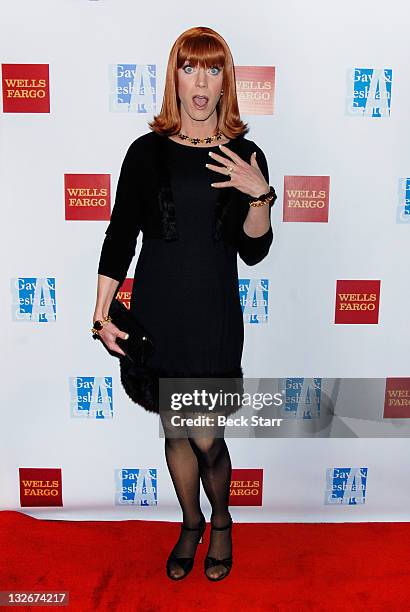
<point x="253" y="294"/>
<point x="346" y="486"/>
<point x="33" y="299"/>
<point x="133" y="88"/>
<point x="403" y="206"/>
<point x="369" y="92"/>
<point x="91" y="397"/>
<point x="136" y="486"/>
<point x="302" y="398"/>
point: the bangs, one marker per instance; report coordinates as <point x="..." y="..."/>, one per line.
<point x="203" y="50"/>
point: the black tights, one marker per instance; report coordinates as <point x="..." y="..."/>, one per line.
<point x="189" y="460"/>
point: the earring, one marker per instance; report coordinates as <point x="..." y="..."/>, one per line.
<point x="222" y="92"/>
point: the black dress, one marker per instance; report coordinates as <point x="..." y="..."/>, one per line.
<point x="185" y="292"/>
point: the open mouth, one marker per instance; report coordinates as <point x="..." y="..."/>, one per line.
<point x="200" y="101"/>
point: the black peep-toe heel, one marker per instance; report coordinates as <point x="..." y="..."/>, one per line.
<point x="212" y="561"/>
<point x="185" y="563"/>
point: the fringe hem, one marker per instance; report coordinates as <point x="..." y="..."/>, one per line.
<point x="142" y="385"/>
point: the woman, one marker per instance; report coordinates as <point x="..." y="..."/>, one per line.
<point x="185" y="290"/>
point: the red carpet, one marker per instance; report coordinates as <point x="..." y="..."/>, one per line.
<point x="120" y="565"/>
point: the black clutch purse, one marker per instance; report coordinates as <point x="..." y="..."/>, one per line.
<point x="139" y="345"/>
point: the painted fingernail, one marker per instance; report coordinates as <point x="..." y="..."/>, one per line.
<point x="210" y="153"/>
<point x="206" y="165"/>
<point x="126" y="336"/>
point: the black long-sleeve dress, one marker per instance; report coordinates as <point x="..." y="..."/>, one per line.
<point x="185" y="292"/>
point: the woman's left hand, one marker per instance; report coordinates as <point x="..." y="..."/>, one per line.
<point x="248" y="178"/>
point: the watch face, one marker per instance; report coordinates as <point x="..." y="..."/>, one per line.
<point x="98" y="325"/>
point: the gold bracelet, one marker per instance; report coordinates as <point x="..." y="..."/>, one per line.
<point x="99" y="324"/>
<point x="259" y="202"/>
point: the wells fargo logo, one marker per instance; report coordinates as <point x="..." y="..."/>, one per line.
<point x="87" y="197"/>
<point x="397" y="398"/>
<point x="306" y="198"/>
<point x="40" y="487"/>
<point x="125" y="291"/>
<point x="26" y="88"/>
<point x="357" y="301"/>
<point x="255" y="89"/>
<point x="246" y="487"/>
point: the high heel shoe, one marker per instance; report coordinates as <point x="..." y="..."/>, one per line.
<point x="185" y="563"/>
<point x="212" y="561"/>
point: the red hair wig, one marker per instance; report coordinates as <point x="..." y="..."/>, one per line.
<point x="207" y="48"/>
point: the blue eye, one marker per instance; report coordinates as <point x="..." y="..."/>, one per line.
<point x="216" y="68"/>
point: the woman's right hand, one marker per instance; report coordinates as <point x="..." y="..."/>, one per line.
<point x="109" y="334"/>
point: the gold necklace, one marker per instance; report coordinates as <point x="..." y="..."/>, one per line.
<point x="208" y="139"/>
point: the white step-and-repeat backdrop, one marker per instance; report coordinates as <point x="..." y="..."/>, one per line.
<point x="326" y="91"/>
